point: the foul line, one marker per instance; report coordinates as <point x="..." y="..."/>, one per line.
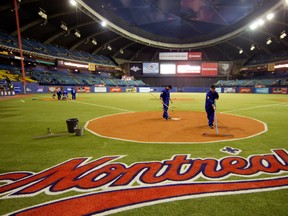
<point x="255" y="107"/>
<point x="91" y="104"/>
<point x="97" y="105"/>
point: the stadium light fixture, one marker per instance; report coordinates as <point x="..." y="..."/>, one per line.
<point x="283" y="34"/>
<point x="73" y="2"/>
<point x="270" y="16"/>
<point x="42" y="13"/>
<point x="64" y="26"/>
<point x="103" y="23"/>
<point x="253" y="26"/>
<point x="109" y="47"/>
<point x="252" y="47"/>
<point x="240" y="51"/>
<point x="77" y="33"/>
<point x="269" y="41"/>
<point x="260" y="22"/>
<point x="94" y="41"/>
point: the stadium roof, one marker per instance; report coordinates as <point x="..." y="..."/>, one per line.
<point x="140" y="29"/>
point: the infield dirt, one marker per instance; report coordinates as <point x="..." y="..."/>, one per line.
<point x="150" y="127"/>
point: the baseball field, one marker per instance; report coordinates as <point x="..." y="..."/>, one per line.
<point x="45" y="171"/>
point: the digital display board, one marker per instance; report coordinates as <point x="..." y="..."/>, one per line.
<point x="189" y="68"/>
<point x="150" y="68"/>
<point x="209" y="69"/>
<point x="167" y="68"/>
<point x="180" y="56"/>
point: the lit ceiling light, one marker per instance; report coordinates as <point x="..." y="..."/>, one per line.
<point x="270" y="16"/>
<point x="260" y="22"/>
<point x="42" y="13"/>
<point x="252" y="47"/>
<point x="94" y="41"/>
<point x="77" y="33"/>
<point x="121" y="51"/>
<point x="73" y="2"/>
<point x="64" y="26"/>
<point x="240" y="51"/>
<point x="103" y="23"/>
<point x="283" y="34"/>
<point x="253" y="26"/>
<point x="269" y="41"/>
<point x="109" y="47"/>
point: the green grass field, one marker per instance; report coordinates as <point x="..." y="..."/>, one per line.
<point x="24" y="118"/>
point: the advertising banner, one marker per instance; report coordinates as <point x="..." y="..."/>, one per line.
<point x="83" y="89"/>
<point x="135" y="69"/>
<point x="209" y="69"/>
<point x="167" y="68"/>
<point x="225" y="68"/>
<point x="144" y="89"/>
<point x="219" y="89"/>
<point x="245" y="90"/>
<point x="195" y="56"/>
<point x="115" y="89"/>
<point x="180" y="56"/>
<point x="150" y="68"/>
<point x="17" y="89"/>
<point x="189" y="67"/>
<point x="279" y="90"/>
<point x="100" y="89"/>
<point x="91" y="67"/>
<point x="133" y="89"/>
<point x="173" y="56"/>
<point x="68" y="64"/>
<point x="40" y="89"/>
<point x="271" y="67"/>
<point x="229" y="90"/>
<point x="261" y="90"/>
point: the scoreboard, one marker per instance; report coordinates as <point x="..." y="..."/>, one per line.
<point x="181" y="64"/>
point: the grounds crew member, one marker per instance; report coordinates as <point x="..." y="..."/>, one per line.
<point x="59" y="93"/>
<point x="210" y="105"/>
<point x="165" y="98"/>
<point x="73" y="93"/>
<point x="65" y="95"/>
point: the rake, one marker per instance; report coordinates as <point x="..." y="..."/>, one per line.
<point x="172" y="118"/>
<point x="217" y="130"/>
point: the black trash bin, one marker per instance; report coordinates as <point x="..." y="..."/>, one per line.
<point x="71" y="124"/>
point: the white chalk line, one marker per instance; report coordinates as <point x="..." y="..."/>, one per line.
<point x="256" y="107"/>
<point x="98" y="105"/>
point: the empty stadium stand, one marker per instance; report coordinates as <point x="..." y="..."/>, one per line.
<point x="63" y="77"/>
<point x="55" y="51"/>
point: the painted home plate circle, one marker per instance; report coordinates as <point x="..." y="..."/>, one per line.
<point x="187" y="127"/>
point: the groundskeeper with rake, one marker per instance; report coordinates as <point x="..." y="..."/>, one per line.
<point x="165" y="98"/>
<point x="210" y="105"/>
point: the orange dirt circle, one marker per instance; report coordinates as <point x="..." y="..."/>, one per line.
<point x="191" y="128"/>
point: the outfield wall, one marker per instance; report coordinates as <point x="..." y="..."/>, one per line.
<point x="34" y="88"/>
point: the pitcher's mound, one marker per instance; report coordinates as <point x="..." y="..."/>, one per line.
<point x="189" y="127"/>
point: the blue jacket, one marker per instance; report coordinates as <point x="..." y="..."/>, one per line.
<point x="165" y="95"/>
<point x="73" y="92"/>
<point x="210" y="99"/>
